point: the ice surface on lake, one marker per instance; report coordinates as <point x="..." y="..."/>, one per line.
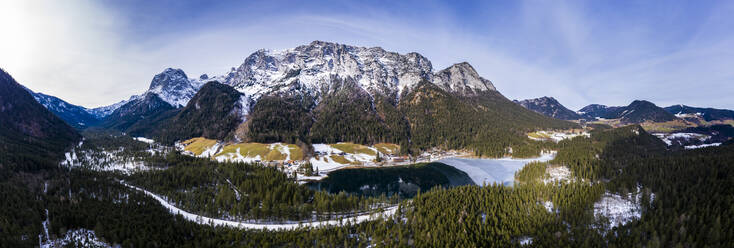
<point x="488" y="171"/>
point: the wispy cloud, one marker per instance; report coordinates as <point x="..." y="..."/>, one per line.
<point x="580" y="53"/>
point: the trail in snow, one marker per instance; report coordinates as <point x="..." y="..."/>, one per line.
<point x="236" y="191"/>
<point x="262" y="226"/>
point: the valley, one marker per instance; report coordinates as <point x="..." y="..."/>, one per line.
<point x="327" y="144"/>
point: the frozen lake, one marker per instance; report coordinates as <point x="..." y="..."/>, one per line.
<point x="500" y="171"/>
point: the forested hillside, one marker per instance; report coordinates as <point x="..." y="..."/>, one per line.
<point x="31" y="137"/>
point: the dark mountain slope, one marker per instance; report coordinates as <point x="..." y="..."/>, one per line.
<point x="549" y="106"/>
<point x="640" y="111"/>
<point x="76" y="116"/>
<point x="31" y="136"/>
<point x="347" y="114"/>
<point x="488" y="122"/>
<point x="144" y="109"/>
<point x="213" y="112"/>
<point x="279" y="118"/>
<point x="708" y="114"/>
<point x="598" y="110"/>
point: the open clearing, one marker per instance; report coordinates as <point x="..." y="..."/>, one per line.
<point x="198" y="145"/>
<point x="249" y="152"/>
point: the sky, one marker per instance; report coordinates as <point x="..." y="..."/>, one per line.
<point x="95" y="53"/>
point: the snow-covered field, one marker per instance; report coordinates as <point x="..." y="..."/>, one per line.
<point x="488" y="171"/>
<point x="555" y="136"/>
<point x="326" y="162"/>
<point x="252" y="152"/>
<point x="108" y="160"/>
<point x="265" y="226"/>
<point x="702" y="146"/>
<point x="620" y="210"/>
<point x="558" y="174"/>
<point x="677" y="138"/>
<point x="143" y="139"/>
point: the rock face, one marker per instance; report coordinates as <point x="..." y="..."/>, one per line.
<point x="31" y="136"/>
<point x="312" y="69"/>
<point x="173" y="87"/>
<point x="549" y="106"/>
<point x="463" y="79"/>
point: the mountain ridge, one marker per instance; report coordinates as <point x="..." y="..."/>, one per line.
<point x="549" y="106"/>
<point x="31" y="136"/>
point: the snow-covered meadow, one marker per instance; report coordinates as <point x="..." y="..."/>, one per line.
<point x="621" y="209"/>
<point x="555" y="136"/>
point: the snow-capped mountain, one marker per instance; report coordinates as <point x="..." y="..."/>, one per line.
<point x="311" y="69"/>
<point x="174" y="87"/>
<point x="549" y="106"/>
<point x="323" y="92"/>
<point x="171" y="85"/>
<point x="104" y="111"/>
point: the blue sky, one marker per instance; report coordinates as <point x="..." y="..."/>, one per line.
<point x="96" y="53"/>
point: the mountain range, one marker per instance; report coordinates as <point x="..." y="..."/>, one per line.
<point x="329" y="92"/>
<point x="320" y="92"/>
<point x="638" y="111"/>
<point x="549" y="106"/>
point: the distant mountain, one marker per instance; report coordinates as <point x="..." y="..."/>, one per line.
<point x="708" y="114"/>
<point x="104" y="111"/>
<point x="144" y="109"/>
<point x="31" y="136"/>
<point x="638" y="111"/>
<point x="597" y="110"/>
<point x="76" y="116"/>
<point x="549" y="106"/>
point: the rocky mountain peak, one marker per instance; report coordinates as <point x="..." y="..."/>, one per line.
<point x="462" y="78"/>
<point x="313" y="67"/>
<point x="173" y="87"/>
